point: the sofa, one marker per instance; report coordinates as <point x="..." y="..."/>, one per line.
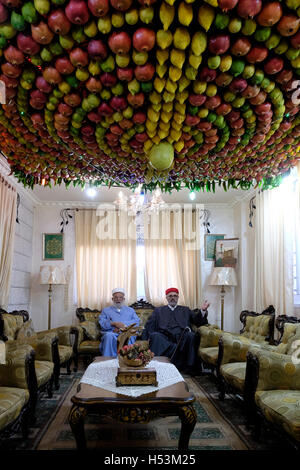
<point x="277" y="392"/>
<point x="88" y="332"/>
<point x="19" y="326"/>
<point x="15" y="393"/>
<point x="235" y="371"/>
<point x="17" y="332"/>
<point x="257" y="327"/>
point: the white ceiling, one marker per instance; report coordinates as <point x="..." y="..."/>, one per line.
<point x="61" y="194"/>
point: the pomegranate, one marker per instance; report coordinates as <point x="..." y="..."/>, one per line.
<point x="119" y="42"/>
<point x="27" y="44"/>
<point x="144" y="73"/>
<point x="79" y="57"/>
<point x="257" y="54"/>
<point x="51" y="75"/>
<point x="197" y="100"/>
<point x="241" y="47"/>
<point x="11" y="70"/>
<point x="11" y="3"/>
<point x="108" y="79"/>
<point x="77" y="12"/>
<point x="97" y="49"/>
<point x="98" y="8"/>
<point x="136" y="100"/>
<point x="3" y="13"/>
<point x="288" y="25"/>
<point x="105" y="110"/>
<point x="13" y="55"/>
<point x="93" y="85"/>
<point x="64" y="66"/>
<point x="144" y="39"/>
<point x="125" y="74"/>
<point x="58" y="22"/>
<point x="118" y="103"/>
<point x="251" y="91"/>
<point x="43" y="85"/>
<point x="238" y="85"/>
<point x="219" y="44"/>
<point x="248" y="8"/>
<point x="121" y="5"/>
<point x="274" y="65"/>
<point x="207" y="74"/>
<point x="226" y="5"/>
<point x="270" y="14"/>
<point x="41" y="33"/>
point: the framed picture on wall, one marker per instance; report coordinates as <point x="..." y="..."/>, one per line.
<point x="53" y="246"/>
<point x="227" y="252"/>
<point x="209" y="245"/>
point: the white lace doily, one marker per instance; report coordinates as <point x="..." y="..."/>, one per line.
<point x="103" y="374"/>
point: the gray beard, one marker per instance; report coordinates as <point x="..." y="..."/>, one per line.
<point x="173" y="304"/>
<point x="119" y="305"/>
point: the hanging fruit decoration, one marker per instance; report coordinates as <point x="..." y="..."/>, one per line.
<point x="152" y="92"/>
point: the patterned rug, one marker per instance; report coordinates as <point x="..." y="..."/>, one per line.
<point x="220" y="425"/>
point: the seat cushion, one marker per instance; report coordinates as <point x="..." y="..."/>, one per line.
<point x="89" y="347"/>
<point x="65" y="352"/>
<point x="281" y="407"/>
<point x="12" y="401"/>
<point x="209" y="355"/>
<point x="43" y="370"/>
<point x="234" y="374"/>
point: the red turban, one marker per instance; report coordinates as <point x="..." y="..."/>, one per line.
<point x="172" y="289"/>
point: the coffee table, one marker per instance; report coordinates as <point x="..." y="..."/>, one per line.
<point x="175" y="400"/>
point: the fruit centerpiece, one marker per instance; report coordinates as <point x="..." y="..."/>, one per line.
<point x="166" y="93"/>
<point x="137" y="354"/>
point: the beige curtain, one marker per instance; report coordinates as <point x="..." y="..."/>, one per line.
<point x="274" y="232"/>
<point x="8" y="208"/>
<point x="172" y="256"/>
<point x="105" y="256"/>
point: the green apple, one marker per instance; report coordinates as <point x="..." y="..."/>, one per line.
<point x="66" y="42"/>
<point x="139" y="58"/>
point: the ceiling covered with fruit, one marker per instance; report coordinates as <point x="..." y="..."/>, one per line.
<point x="168" y="93"/>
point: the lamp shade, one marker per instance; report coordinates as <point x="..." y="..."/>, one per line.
<point x="224" y="276"/>
<point x="51" y="275"/>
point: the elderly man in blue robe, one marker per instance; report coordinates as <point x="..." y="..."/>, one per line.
<point x="169" y="332"/>
<point x="112" y="319"/>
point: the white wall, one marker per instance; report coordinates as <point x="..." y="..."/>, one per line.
<point x="47" y="220"/>
<point x="19" y="298"/>
<point x="221" y="221"/>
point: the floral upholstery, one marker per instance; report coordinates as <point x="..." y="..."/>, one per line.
<point x="12" y="324"/>
<point x="91" y="329"/>
<point x="12" y="400"/>
<point x="44" y="371"/>
<point x="92" y="316"/>
<point x="89" y="347"/>
<point x="234" y="373"/>
<point x="257" y="328"/>
<point x="278" y="390"/>
<point x="144" y="314"/>
<point x="209" y="355"/>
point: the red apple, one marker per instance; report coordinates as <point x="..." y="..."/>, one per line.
<point x="77" y="12"/>
<point x="98" y="8"/>
<point x="97" y="49"/>
<point x="144" y="39"/>
<point x="144" y="73"/>
<point x="58" y="22"/>
<point x="64" y="66"/>
<point x="125" y="73"/>
<point x="119" y="42"/>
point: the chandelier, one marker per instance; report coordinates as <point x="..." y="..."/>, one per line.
<point x="139" y="201"/>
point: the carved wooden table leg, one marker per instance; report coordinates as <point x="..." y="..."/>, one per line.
<point x="76" y="421"/>
<point x="188" y="417"/>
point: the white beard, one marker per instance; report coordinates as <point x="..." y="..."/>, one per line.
<point x="118" y="305"/>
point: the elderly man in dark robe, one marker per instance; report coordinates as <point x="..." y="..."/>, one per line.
<point x="169" y="332"/>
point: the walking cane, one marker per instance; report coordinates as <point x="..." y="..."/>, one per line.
<point x="187" y="328"/>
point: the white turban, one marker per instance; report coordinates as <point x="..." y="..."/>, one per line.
<point x="118" y="289"/>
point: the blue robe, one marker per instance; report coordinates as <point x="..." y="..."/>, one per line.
<point x="164" y="329"/>
<point x="108" y="344"/>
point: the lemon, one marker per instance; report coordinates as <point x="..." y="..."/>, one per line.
<point x="195" y="60"/>
<point x="166" y="15"/>
<point x="181" y="38"/>
<point x="180" y="107"/>
<point x="161" y="70"/>
<point x="183" y="83"/>
<point x="175" y="134"/>
<point x="206" y="15"/>
<point x="164" y="38"/>
<point x="199" y="42"/>
<point x="175" y="73"/>
<point x="199" y="87"/>
<point x="162" y="56"/>
<point x="185" y="13"/>
<point x="226" y="62"/>
<point x="211" y="89"/>
<point x="177" y="58"/>
<point x="179" y="118"/>
<point x="167" y="107"/>
<point x="171" y="86"/>
<point x="179" y="146"/>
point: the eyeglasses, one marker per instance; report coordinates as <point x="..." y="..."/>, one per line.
<point x="173" y="295"/>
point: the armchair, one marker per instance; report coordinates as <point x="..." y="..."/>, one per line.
<point x="277" y="392"/>
<point x="87" y="335"/>
<point x="14" y="393"/>
<point x="17" y="332"/>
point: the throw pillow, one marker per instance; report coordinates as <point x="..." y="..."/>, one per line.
<point x="26" y="330"/>
<point x="91" y="329"/>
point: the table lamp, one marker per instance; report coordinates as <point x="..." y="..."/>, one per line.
<point x="223" y="276"/>
<point x="51" y="275"/>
